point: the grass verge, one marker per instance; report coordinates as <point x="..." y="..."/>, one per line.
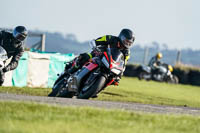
<point x="20" y="117"/>
<point x="150" y="92"/>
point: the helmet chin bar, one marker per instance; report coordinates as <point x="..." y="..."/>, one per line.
<point x="126" y="42"/>
<point x="20" y="37"/>
<point x="127" y="37"/>
<point x="16" y="41"/>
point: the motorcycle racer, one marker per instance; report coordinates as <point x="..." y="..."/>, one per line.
<point x="123" y="42"/>
<point x="14" y="46"/>
<point x="155" y="62"/>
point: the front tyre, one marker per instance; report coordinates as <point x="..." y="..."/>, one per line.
<point x="173" y="80"/>
<point x="59" y="90"/>
<point x="92" y="88"/>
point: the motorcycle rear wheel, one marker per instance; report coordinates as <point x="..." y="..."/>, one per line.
<point x="94" y="87"/>
<point x="142" y="74"/>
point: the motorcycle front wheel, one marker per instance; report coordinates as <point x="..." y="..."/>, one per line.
<point x="173" y="80"/>
<point x="92" y="88"/>
<point x="176" y="80"/>
<point x="59" y="90"/>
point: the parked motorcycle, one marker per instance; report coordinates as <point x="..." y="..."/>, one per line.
<point x="163" y="73"/>
<point x="92" y="78"/>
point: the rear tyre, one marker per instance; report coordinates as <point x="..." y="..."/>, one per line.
<point x="142" y="74"/>
<point x="91" y="89"/>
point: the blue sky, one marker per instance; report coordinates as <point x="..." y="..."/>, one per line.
<point x="173" y="22"/>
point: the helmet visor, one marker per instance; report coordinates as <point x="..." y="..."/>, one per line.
<point x="19" y="36"/>
<point x="127" y="43"/>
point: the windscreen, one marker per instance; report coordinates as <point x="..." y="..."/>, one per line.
<point x="116" y="55"/>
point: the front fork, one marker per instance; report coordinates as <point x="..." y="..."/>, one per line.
<point x="109" y="81"/>
<point x="60" y="76"/>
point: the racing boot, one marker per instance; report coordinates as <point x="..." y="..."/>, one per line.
<point x="79" y="62"/>
<point x="75" y="66"/>
<point x="68" y="65"/>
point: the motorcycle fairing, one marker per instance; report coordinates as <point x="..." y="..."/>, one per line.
<point x="90" y="66"/>
<point x="162" y="69"/>
<point x="108" y="59"/>
<point x="114" y="64"/>
<point x="90" y="80"/>
<point x="83" y="72"/>
<point x="146" y="68"/>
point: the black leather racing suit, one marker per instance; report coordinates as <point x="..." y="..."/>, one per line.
<point x="13" y="48"/>
<point x="154" y="62"/>
<point x="114" y="42"/>
<point x="102" y="43"/>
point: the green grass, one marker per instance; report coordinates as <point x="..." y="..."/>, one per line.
<point x="133" y="90"/>
<point x="20" y="117"/>
<point x="25" y="90"/>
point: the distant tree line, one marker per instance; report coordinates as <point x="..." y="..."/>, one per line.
<point x="57" y="42"/>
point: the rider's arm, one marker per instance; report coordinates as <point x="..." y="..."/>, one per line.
<point x="92" y="44"/>
<point x="100" y="44"/>
<point x="103" y="42"/>
<point x="155" y="65"/>
<point x="127" y="55"/>
<point x="15" y="59"/>
<point x="152" y="62"/>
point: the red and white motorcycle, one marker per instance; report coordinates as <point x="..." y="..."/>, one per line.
<point x="92" y="78"/>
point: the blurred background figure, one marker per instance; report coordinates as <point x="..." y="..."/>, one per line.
<point x="13" y="45"/>
<point x="155" y="61"/>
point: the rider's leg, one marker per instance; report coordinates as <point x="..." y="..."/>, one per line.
<point x="79" y="62"/>
<point x="68" y="65"/>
